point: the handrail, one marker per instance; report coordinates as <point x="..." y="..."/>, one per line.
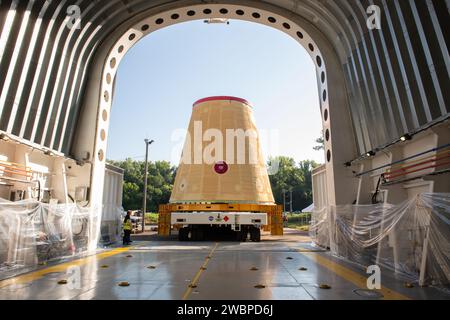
<point x="403" y="160"/>
<point x="394" y="182"/>
<point x="404" y="169"/>
<point x="15" y="169"/>
<point x="421" y="169"/>
<point x="13" y="163"/>
<point x="437" y="154"/>
<point x="15" y="180"/>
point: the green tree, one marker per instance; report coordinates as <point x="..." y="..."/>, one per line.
<point x="131" y="195"/>
<point x="295" y="177"/>
<point x="320" y="143"/>
<point x="161" y="175"/>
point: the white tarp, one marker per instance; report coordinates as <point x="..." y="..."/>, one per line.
<point x="308" y="209"/>
<point x="33" y="233"/>
<point x="411" y="239"/>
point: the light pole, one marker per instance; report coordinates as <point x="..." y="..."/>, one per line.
<point x="290" y="202"/>
<point x="144" y="205"/>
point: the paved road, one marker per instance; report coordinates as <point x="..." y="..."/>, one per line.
<point x="208" y="270"/>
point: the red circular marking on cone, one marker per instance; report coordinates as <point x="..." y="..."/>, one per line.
<point x="221" y="167"/>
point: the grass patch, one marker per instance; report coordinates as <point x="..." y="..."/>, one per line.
<point x="301" y="228"/>
<point x="299" y="221"/>
<point x="151" y="218"/>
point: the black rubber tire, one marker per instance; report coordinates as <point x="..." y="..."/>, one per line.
<point x="186" y="234"/>
<point x="244" y="234"/>
<point x="255" y="234"/>
<point x="193" y="234"/>
<point x="183" y="234"/>
<point x="200" y="234"/>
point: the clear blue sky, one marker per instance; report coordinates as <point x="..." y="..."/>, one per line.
<point x="161" y="77"/>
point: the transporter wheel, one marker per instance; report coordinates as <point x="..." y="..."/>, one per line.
<point x="200" y="234"/>
<point x="197" y="234"/>
<point x="255" y="234"/>
<point x="183" y="234"/>
<point x="243" y="234"/>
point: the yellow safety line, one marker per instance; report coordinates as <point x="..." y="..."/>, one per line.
<point x="352" y="276"/>
<point x="199" y="273"/>
<point x="32" y="276"/>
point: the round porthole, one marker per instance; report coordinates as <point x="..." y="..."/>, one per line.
<point x="112" y="63"/>
<point x="324" y="95"/>
<point x="240" y="12"/>
<point x="207" y="11"/>
<point x="106" y="96"/>
<point x="311" y="47"/>
<point x="256" y="15"/>
<point x="325" y="115"/>
<point x="328" y="155"/>
<point x="108" y="78"/>
<point x="120" y="49"/>
<point x="175" y="16"/>
<point x="104" y="115"/>
<point x="319" y="61"/>
<point x="286" y="25"/>
<point x="103" y="134"/>
<point x="191" y="13"/>
<point x="101" y="155"/>
<point x="300" y="35"/>
<point x="223" y="11"/>
<point x="131" y="37"/>
<point x="322" y="77"/>
<point x="272" y="19"/>
<point x="159" y="21"/>
<point x="145" y="27"/>
<point x="327" y="135"/>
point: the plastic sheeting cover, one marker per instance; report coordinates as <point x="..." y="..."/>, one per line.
<point x="111" y="225"/>
<point x="412" y="238"/>
<point x="32" y="233"/>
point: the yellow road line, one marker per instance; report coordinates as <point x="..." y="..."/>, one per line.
<point x="199" y="273"/>
<point x="32" y="276"/>
<point x="352" y="276"/>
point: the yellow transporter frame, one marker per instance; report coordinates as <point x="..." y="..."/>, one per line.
<point x="274" y="214"/>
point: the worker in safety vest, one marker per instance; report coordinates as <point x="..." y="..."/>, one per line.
<point x="127" y="227"/>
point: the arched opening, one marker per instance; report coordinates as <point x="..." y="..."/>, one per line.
<point x="191" y="60"/>
<point x="115" y="50"/>
<point x="149" y="25"/>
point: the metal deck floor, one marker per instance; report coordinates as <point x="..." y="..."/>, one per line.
<point x="217" y="270"/>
